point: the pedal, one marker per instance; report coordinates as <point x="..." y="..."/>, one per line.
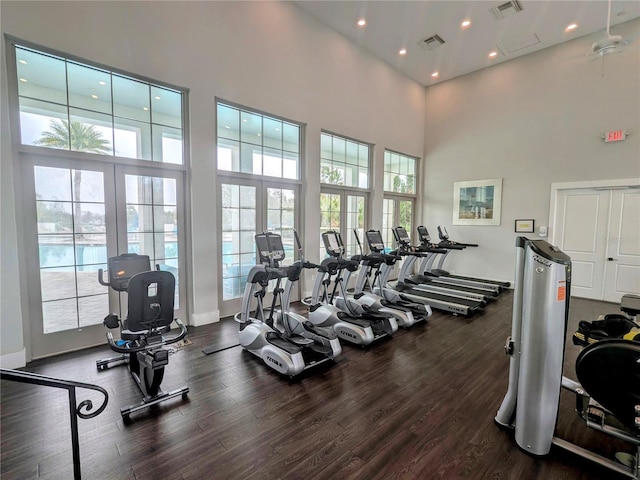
<point x="300" y="340"/>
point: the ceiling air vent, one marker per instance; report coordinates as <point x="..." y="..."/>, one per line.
<point x="506" y="9"/>
<point x="430" y="43"/>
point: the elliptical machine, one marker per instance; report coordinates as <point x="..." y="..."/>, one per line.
<point x="285" y="341"/>
<point x="356" y="326"/>
<point x="607" y="370"/>
<point x="142" y="334"/>
<point x="406" y="314"/>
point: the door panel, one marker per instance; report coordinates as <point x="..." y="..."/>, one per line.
<point x="81" y="214"/>
<point x="248" y="207"/>
<point x="238" y="205"/>
<point x="151" y="222"/>
<point x="70" y="238"/>
<point x="581" y="233"/>
<point x="622" y="271"/>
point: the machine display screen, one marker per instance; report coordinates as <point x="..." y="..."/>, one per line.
<point x="375" y="241"/>
<point x="403" y="236"/>
<point x="424" y="234"/>
<point x="269" y="247"/>
<point x="331" y="242"/>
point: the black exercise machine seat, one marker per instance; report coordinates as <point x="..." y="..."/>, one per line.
<point x="609" y="371"/>
<point x="150" y="306"/>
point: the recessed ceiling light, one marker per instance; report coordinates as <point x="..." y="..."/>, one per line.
<point x="94" y="96"/>
<point x="102" y="82"/>
<point x="493" y="54"/>
<point x="435" y="74"/>
<point x="465" y="24"/>
<point x="157" y="97"/>
<point x="24" y="62"/>
<point x="23" y="80"/>
<point x="145" y="108"/>
<point x="402" y="51"/>
<point x="362" y="22"/>
<point x="227" y="126"/>
<point x="573" y="26"/>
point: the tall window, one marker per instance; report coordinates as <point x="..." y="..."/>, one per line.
<point x="74" y="106"/>
<point x="253" y="143"/>
<point x="82" y="209"/>
<point x="400" y="194"/>
<point x="344" y="173"/>
<point x="259" y="181"/>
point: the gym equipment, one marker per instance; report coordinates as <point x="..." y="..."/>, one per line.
<point x="407" y="314"/>
<point x="359" y="327"/>
<point x="286" y="342"/>
<point x="150" y="299"/>
<point x="405" y="280"/>
<point x="433" y="251"/>
<point x="536" y="346"/>
<point x="612" y="325"/>
<point x="446" y="242"/>
<point x="399" y="292"/>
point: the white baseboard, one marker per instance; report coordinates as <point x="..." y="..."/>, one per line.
<point x="14" y="360"/>
<point x="199" y="319"/>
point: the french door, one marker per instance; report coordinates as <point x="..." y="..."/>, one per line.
<point x="396" y="211"/>
<point x="344" y="212"/>
<point x="77" y="215"/>
<point x="600" y="230"/>
<point x="249" y="207"/>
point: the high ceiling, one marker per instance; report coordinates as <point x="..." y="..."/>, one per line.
<point x="395" y="25"/>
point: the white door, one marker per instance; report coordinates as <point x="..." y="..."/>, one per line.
<point x="249" y="207"/>
<point x="581" y="232"/>
<point x="77" y="215"/>
<point x="622" y="266"/>
<point x="70" y="233"/>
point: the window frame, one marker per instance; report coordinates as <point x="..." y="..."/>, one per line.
<point x="261" y="183"/>
<point x="370" y="147"/>
<point x="25" y="205"/>
<point x="245" y="175"/>
<point x="12" y="42"/>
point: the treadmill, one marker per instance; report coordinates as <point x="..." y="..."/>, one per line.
<point x="425" y="274"/>
<point x="446" y="242"/>
<point x="447" y="303"/>
<point x="426" y="282"/>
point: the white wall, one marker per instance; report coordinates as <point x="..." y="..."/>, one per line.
<point x="532" y="121"/>
<point x="266" y="55"/>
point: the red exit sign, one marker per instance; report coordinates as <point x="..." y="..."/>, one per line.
<point x="615" y="136"/>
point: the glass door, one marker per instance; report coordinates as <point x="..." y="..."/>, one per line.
<point x="78" y="214"/>
<point x="151" y="222"/>
<point x="249" y="207"/>
<point x="70" y="233"/>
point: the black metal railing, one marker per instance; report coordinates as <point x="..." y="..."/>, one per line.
<point x="75" y="410"/>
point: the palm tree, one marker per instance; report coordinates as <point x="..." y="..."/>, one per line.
<point x="79" y="137"/>
<point x="74" y="135"/>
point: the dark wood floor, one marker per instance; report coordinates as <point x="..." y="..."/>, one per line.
<point x="418" y="406"/>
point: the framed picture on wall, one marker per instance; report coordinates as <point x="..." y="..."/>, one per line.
<point x="525" y="225"/>
<point x="477" y="202"/>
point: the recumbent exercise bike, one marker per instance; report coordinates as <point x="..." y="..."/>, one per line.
<point x="150" y="302"/>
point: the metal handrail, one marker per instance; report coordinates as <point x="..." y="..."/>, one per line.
<point x="75" y="411"/>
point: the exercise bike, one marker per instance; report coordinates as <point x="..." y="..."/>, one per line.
<point x="607" y="388"/>
<point x="150" y="300"/>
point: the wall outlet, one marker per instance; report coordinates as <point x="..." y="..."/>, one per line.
<point x="542" y="231"/>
